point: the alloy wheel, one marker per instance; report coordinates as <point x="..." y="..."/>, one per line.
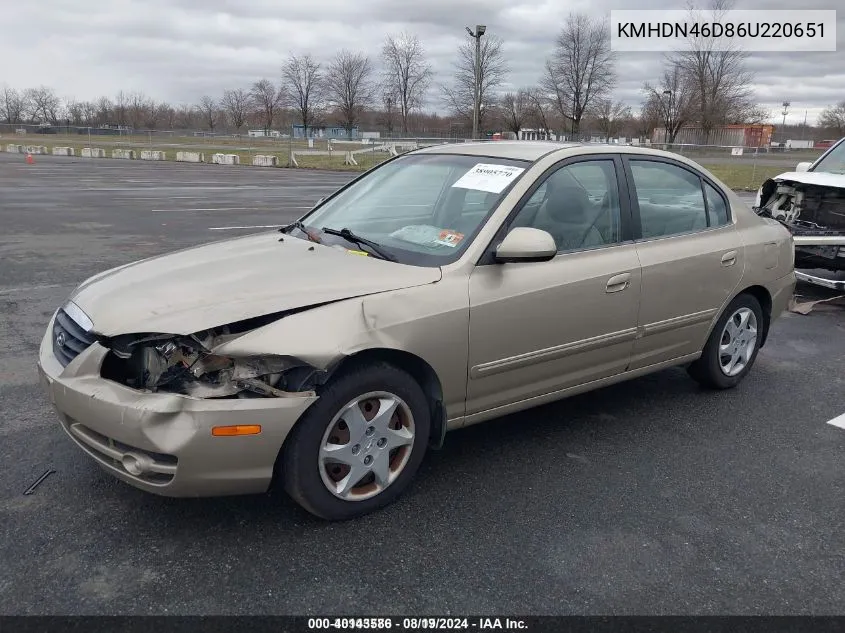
<point x="738" y="342"/>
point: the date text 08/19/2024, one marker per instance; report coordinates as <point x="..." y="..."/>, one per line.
<point x="416" y="624"/>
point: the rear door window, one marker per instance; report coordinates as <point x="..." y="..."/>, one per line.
<point x="670" y="199"/>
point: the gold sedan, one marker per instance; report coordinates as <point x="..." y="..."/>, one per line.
<point x="447" y="286"/>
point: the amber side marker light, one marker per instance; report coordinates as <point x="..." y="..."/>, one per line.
<point x="238" y="429"/>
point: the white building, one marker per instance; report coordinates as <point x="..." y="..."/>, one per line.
<point x="529" y="134"/>
<point x="264" y="133"/>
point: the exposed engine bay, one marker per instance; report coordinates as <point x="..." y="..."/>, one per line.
<point x="809" y="211"/>
<point x="187" y="365"/>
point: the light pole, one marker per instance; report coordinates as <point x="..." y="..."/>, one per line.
<point x="786" y="105"/>
<point x="476" y="109"/>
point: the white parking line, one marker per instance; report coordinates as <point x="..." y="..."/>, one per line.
<point x="838" y="421"/>
<point x="203" y="209"/>
<point x="165" y="197"/>
<point x="9" y="291"/>
<point x="180" y="198"/>
<point x="232" y="228"/>
<point x="254" y="208"/>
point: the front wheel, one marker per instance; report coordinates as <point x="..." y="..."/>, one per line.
<point x="732" y="348"/>
<point x="358" y="447"/>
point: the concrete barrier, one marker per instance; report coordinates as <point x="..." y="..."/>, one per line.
<point x="308" y="152"/>
<point x="226" y="159"/>
<point x="35" y="149"/>
<point x="14" y="149"/>
<point x="265" y="161"/>
<point x="372" y="149"/>
<point x="190" y="157"/>
<point x="93" y="152"/>
<point x="150" y="154"/>
<point x="64" y="151"/>
<point x="124" y="154"/>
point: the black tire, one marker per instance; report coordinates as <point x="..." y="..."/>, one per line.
<point x="299" y="467"/>
<point x="707" y="370"/>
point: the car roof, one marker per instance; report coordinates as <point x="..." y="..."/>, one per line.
<point x="515" y="150"/>
<point x="535" y="150"/>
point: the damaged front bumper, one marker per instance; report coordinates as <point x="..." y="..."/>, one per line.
<point x="813" y="213"/>
<point x="162" y="442"/>
<point x="820" y="251"/>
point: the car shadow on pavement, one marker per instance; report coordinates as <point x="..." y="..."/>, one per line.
<point x="569" y="437"/>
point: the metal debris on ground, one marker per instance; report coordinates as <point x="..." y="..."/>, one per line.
<point x="38" y="482"/>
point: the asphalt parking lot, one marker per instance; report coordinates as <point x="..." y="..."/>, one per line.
<point x="649" y="497"/>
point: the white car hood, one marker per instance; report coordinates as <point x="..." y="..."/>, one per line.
<point x="817" y="178"/>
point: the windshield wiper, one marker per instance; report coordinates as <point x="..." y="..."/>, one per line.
<point x="312" y="236"/>
<point x="348" y="235"/>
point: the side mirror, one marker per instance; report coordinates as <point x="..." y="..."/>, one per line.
<point x="803" y="166"/>
<point x="525" y="244"/>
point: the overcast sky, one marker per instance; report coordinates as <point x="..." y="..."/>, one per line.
<point x="178" y="50"/>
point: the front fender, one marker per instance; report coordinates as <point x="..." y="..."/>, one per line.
<point x="430" y="322"/>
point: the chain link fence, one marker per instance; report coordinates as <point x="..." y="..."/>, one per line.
<point x="741" y="167"/>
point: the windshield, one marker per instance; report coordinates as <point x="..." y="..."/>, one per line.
<point x="422" y="209"/>
<point x="834" y="162"/>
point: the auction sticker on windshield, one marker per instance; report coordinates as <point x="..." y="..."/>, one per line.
<point x="427" y="235"/>
<point x="449" y="238"/>
<point x="488" y="177"/>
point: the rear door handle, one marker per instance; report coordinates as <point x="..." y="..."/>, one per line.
<point x="618" y="283"/>
<point x="729" y="258"/>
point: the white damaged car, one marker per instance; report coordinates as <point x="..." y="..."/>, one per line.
<point x="810" y="202"/>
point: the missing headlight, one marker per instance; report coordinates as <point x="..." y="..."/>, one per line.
<point x="185" y="365"/>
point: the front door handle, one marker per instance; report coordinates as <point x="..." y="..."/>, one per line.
<point x="729" y="258"/>
<point x="618" y="283"/>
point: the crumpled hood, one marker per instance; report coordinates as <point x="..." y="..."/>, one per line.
<point x="817" y="178"/>
<point x="223" y="282"/>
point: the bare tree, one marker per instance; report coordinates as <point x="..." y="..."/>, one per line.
<point x="138" y="107"/>
<point x="167" y="115"/>
<point x="209" y="110"/>
<point x="89" y="113"/>
<point x="542" y="109"/>
<point x="235" y="104"/>
<point x="673" y="99"/>
<point x="75" y="111"/>
<point x="553" y="91"/>
<point x="493" y="68"/>
<point x="156" y="115"/>
<point x="387" y="115"/>
<point x="267" y="99"/>
<point x="13" y="105"/>
<point x="647" y="120"/>
<point x="833" y="118"/>
<point x="44" y="103"/>
<point x="407" y="73"/>
<point x="580" y="71"/>
<point x="186" y="117"/>
<point x="748" y="113"/>
<point x="119" y="110"/>
<point x="610" y="115"/>
<point x="515" y="109"/>
<point x="105" y="111"/>
<point x="349" y="86"/>
<point x="304" y="86"/>
<point x="716" y="72"/>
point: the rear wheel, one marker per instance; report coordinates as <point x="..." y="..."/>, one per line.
<point x="358" y="447"/>
<point x="732" y="348"/>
